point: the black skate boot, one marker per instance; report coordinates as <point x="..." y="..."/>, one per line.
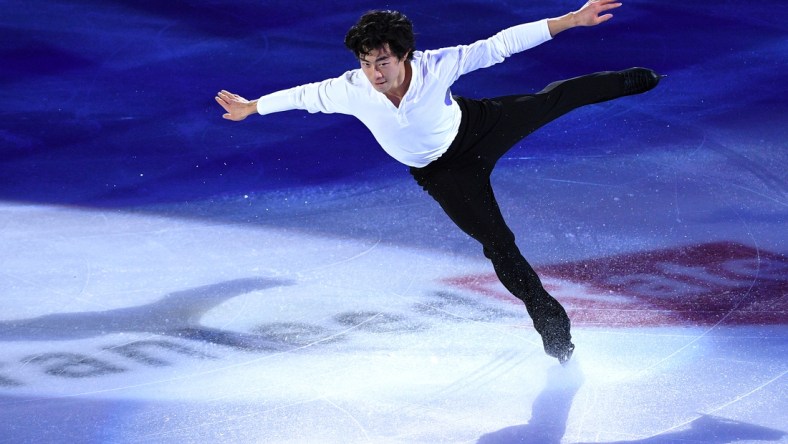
<point x="558" y="344"/>
<point x="552" y="323"/>
<point x="638" y="80"/>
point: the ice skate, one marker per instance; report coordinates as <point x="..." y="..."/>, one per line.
<point x="552" y="323"/>
<point x="639" y="80"/>
<point x="557" y="340"/>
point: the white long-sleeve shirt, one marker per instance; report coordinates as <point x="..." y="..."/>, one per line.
<point x="426" y="122"/>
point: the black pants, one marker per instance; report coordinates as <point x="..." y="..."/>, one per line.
<point x="460" y="182"/>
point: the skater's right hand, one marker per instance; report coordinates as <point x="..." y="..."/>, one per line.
<point x="236" y="106"/>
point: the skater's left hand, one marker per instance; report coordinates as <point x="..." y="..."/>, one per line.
<point x="589" y="14"/>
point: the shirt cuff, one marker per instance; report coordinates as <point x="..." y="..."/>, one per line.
<point x="275" y="102"/>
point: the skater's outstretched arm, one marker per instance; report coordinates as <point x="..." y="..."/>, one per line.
<point x="588" y="15"/>
<point x="236" y="106"/>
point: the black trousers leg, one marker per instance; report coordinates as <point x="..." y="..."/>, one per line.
<point x="460" y="182"/>
<point x="495" y="125"/>
<point x="465" y="194"/>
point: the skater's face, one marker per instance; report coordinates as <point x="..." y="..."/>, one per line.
<point x="384" y="70"/>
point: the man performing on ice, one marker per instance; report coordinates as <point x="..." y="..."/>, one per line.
<point x="451" y="143"/>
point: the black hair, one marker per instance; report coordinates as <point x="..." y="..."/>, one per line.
<point x="376" y="28"/>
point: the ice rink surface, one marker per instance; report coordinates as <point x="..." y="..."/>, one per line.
<point x="170" y="277"/>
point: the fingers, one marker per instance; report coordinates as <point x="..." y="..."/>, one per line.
<point x="592" y="13"/>
<point x="604" y="18"/>
<point x="609" y="6"/>
<point x="221" y="99"/>
<point x="236" y="106"/>
<point x="226" y="96"/>
<point x="224" y="104"/>
<point x="227" y="100"/>
<point x="605" y="5"/>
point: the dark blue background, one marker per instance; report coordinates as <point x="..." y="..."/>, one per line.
<point x="110" y="104"/>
